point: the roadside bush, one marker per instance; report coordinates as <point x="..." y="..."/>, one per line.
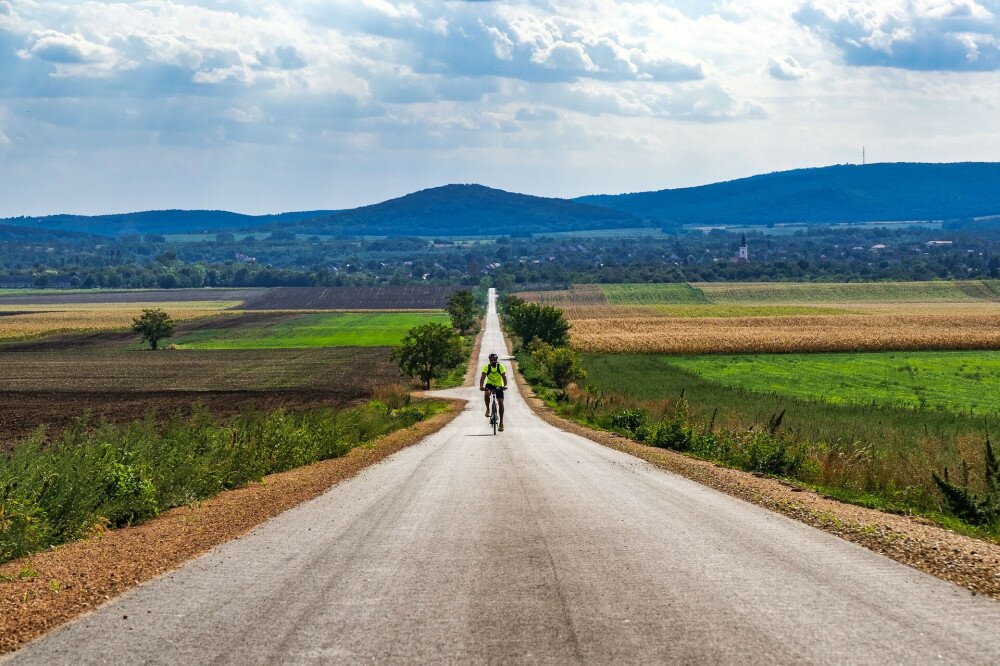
<point x="628" y="421"/>
<point x="116" y="475"/>
<point x="673" y="433"/>
<point x="767" y="454"/>
<point x="560" y="365"/>
<point x="981" y="509"/>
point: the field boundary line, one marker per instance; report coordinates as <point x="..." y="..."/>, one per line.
<point x="914" y="541"/>
<point x="90" y="572"/>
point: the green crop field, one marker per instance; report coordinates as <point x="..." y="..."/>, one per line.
<point x="963" y="382"/>
<point x="653" y="294"/>
<point x="798" y="293"/>
<point x="870" y="292"/>
<point x="337" y="329"/>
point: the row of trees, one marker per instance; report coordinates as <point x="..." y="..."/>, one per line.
<point x="543" y="332"/>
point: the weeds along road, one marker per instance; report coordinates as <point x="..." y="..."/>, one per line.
<point x="532" y="546"/>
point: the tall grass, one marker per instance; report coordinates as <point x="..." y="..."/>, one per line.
<point x="90" y="477"/>
<point x="876" y="456"/>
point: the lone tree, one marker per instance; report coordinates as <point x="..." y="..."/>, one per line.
<point x="462" y="309"/>
<point x="529" y="321"/>
<point x="153" y="325"/>
<point x="429" y="352"/>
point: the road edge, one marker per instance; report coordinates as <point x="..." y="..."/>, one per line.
<point x="73" y="579"/>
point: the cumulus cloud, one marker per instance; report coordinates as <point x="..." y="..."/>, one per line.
<point x="928" y="35"/>
<point x="73" y="54"/>
<point x="785" y="69"/>
<point x="698" y="102"/>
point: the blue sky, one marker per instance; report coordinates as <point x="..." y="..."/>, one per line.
<point x="261" y="105"/>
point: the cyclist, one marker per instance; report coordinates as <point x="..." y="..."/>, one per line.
<point x="493" y="380"/>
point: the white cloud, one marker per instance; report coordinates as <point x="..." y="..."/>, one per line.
<point x="73" y="54"/>
<point x="785" y="68"/>
<point x="647" y="93"/>
<point x="923" y="35"/>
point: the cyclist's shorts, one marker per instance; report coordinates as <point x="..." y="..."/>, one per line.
<point x="498" y="390"/>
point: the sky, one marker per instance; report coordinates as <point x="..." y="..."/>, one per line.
<point x="267" y="105"/>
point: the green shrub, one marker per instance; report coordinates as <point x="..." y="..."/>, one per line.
<point x="981" y="509"/>
<point x="628" y="421"/>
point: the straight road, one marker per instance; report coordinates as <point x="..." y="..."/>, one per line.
<point x="532" y="546"/>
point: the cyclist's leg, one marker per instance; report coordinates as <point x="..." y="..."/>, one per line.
<point x="486" y="398"/>
<point x="500" y="405"/>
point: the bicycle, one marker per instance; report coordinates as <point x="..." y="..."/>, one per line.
<point x="494" y="415"/>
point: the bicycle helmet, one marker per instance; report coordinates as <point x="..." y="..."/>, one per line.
<point x="494" y="357"/>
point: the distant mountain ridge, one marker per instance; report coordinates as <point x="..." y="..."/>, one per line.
<point x="159" y="221"/>
<point x="843" y="193"/>
<point x="468" y="210"/>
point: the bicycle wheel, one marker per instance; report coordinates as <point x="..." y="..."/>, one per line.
<point x="493" y="418"/>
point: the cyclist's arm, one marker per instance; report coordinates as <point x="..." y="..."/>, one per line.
<point x="504" y="376"/>
<point x="482" y="380"/>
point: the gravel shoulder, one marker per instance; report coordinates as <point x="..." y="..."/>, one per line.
<point x="46" y="590"/>
<point x="967" y="561"/>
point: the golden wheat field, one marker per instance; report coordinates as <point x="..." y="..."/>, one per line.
<point x="946" y="317"/>
<point x="19" y="322"/>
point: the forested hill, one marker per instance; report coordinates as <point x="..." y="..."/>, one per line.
<point x="159" y="221"/>
<point x="467" y="210"/>
<point x="845" y="193"/>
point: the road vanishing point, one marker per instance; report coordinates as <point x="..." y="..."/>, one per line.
<point x="532" y="546"/>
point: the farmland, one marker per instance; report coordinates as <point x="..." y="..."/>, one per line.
<point x="34" y="320"/>
<point x="339" y="329"/>
<point x="730" y="318"/>
<point x="350" y="298"/>
<point x="870" y="292"/>
<point x="64" y="354"/>
<point x="963" y="382"/>
<point x="861" y="389"/>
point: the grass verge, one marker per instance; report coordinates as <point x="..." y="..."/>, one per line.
<point x="90" y="479"/>
<point x="878" y="457"/>
<point x="50" y="588"/>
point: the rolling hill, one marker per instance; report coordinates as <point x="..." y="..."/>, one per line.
<point x="468" y="210"/>
<point x="159" y="221"/>
<point x="844" y="193"/>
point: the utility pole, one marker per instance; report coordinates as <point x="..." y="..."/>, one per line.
<point x="863" y="156"/>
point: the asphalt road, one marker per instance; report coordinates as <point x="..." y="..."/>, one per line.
<point x="531" y="546"/>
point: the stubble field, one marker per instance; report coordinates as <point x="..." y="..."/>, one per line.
<point x="780" y="318"/>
